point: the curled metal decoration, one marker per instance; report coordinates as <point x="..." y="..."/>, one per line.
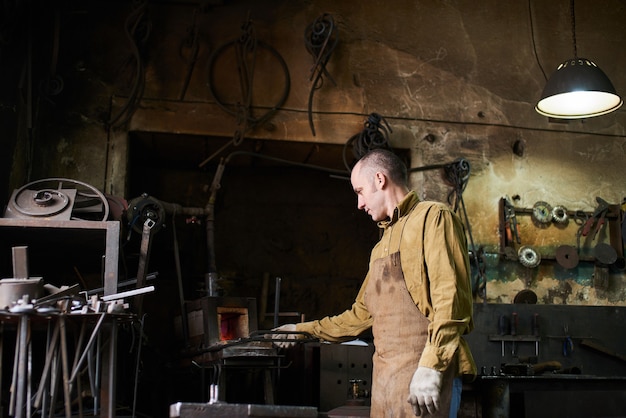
<point x="375" y="134"/>
<point x="457" y="174"/>
<point x="246" y="48"/>
<point x="320" y="38"/>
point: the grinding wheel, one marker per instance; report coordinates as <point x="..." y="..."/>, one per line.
<point x="567" y="256"/>
<point x="528" y="256"/>
<point x="605" y="253"/>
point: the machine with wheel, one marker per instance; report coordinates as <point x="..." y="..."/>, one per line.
<point x="58" y="199"/>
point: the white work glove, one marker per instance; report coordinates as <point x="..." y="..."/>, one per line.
<point x="425" y="391"/>
<point x="285" y="328"/>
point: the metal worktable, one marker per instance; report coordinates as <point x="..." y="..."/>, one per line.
<point x="61" y="369"/>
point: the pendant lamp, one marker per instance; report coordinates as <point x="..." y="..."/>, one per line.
<point x="578" y="88"/>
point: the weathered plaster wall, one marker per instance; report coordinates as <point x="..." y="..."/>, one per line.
<point x="453" y="79"/>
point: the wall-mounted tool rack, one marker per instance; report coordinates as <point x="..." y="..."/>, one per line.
<point x="612" y="218"/>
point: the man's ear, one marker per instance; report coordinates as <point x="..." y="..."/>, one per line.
<point x="381" y="180"/>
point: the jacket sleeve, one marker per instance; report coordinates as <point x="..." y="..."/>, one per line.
<point x="448" y="280"/>
<point x="342" y="327"/>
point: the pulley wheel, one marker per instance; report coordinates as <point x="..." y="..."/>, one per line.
<point x="44" y="202"/>
<point x="57" y="197"/>
<point x="145" y="207"/>
<point x="567" y="256"/>
<point x="605" y="254"/>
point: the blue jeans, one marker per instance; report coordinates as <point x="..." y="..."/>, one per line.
<point x="455" y="401"/>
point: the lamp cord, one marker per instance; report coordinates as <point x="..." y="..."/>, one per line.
<point x="573" y="16"/>
<point x="532" y="37"/>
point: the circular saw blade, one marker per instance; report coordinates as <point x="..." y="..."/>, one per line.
<point x="567" y="256"/>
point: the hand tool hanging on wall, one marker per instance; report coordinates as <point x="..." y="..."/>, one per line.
<point x="568" y="344"/>
<point x="597" y="218"/>
<point x="503" y="329"/>
<point x="510" y="223"/>
<point x="246" y="48"/>
<point x="602" y="349"/>
<point x="320" y="38"/>
<point x="535" y="327"/>
<point x="514" y="323"/>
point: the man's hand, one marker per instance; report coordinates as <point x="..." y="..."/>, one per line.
<point x="285" y="328"/>
<point x="425" y="390"/>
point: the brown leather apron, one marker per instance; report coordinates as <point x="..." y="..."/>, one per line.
<point x="400" y="333"/>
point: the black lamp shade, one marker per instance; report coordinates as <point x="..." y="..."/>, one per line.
<point x="578" y="89"/>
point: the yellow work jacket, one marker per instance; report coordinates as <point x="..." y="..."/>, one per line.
<point x="434" y="256"/>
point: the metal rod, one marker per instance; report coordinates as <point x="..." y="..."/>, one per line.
<point x="98" y="374"/>
<point x="144" y="259"/>
<point x="277" y="301"/>
<point x="64" y="367"/>
<point x="141" y="323"/>
<point x="181" y="292"/>
<point x="13" y="387"/>
<point x="91" y="375"/>
<point x="51" y="349"/>
<point x="109" y="381"/>
<point x="94" y="333"/>
<point x="54" y="383"/>
<point x="79" y="343"/>
<point x="1" y="356"/>
<point x="28" y="381"/>
<point x="128" y="293"/>
<point x="131" y="282"/>
<point x="20" y="262"/>
<point x="21" y="366"/>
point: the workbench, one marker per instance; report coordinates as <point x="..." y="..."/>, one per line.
<point x="552" y="395"/>
<point x="587" y="342"/>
